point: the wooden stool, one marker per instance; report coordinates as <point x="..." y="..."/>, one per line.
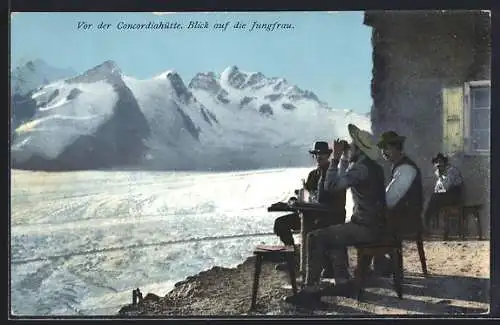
<point x="394" y="248"/>
<point x="461" y="213"/>
<point x="263" y="252"/>
<point x="473" y="210"/>
<point x="447" y="213"/>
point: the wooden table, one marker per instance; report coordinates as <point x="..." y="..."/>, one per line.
<point x="304" y="210"/>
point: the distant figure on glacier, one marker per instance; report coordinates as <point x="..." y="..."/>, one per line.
<point x="365" y="178"/>
<point x="284" y="225"/>
<point x="448" y="189"/>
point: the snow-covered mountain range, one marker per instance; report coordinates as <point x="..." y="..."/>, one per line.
<point x="106" y="119"/>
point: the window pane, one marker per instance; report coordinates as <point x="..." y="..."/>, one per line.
<point x="481" y="140"/>
<point x="480" y="96"/>
<point x="480" y="119"/>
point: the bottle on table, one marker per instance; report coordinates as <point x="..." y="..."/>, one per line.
<point x="304" y="195"/>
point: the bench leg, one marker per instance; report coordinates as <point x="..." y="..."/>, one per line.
<point x="397" y="258"/>
<point x="400" y="260"/>
<point x="306" y="227"/>
<point x="255" y="288"/>
<point x="461" y="225"/>
<point x="446" y="221"/>
<point x="479" y="226"/>
<point x="291" y="271"/>
<point x="421" y="254"/>
<point x="465" y="225"/>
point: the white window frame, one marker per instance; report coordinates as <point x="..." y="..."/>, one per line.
<point x="467" y="117"/>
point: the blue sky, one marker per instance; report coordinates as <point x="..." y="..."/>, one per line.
<point x="328" y="53"/>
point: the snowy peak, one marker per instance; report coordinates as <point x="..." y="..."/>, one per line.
<point x="89" y="121"/>
<point x="295" y="93"/>
<point x="179" y="87"/>
<point x="34" y="74"/>
<point x="108" y="65"/>
<point x="205" y="81"/>
<point x="106" y="71"/>
<point x="254" y="79"/>
<point x="256" y="84"/>
<point x="232" y="76"/>
<point x="165" y="74"/>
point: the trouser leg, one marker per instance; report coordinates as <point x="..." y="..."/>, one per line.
<point x="284" y="225"/>
<point x="333" y="238"/>
<point x="340" y="263"/>
<point x="337" y="263"/>
<point x="435" y="203"/>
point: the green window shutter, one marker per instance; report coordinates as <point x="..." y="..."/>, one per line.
<point x="453" y="119"/>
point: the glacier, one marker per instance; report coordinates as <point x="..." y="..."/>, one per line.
<point x="82" y="241"/>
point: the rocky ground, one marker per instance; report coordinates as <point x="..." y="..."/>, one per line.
<point x="458" y="284"/>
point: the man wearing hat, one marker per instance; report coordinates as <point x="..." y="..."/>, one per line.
<point x="448" y="188"/>
<point x="365" y="178"/>
<point x="404" y="193"/>
<point x="284" y="225"/>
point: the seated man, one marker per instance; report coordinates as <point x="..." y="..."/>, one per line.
<point x="284" y="225"/>
<point x="448" y="188"/>
<point x="336" y="200"/>
<point x="404" y="195"/>
<point x="365" y="178"/>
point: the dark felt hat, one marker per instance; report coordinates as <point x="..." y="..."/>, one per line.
<point x="439" y="157"/>
<point x="320" y="147"/>
<point x="390" y="137"/>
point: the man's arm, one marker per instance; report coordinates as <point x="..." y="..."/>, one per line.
<point x="343" y="166"/>
<point x="312" y="181"/>
<point x="400" y="184"/>
<point x="342" y="169"/>
<point x="451" y="178"/>
<point x="340" y="179"/>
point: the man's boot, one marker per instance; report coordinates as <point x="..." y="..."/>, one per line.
<point x="382" y="266"/>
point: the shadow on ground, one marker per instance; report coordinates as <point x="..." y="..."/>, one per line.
<point x="432" y="295"/>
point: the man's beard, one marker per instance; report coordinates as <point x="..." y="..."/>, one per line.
<point x="324" y="163"/>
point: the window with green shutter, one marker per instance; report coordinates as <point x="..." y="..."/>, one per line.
<point x="453" y="119"/>
<point x="466" y="118"/>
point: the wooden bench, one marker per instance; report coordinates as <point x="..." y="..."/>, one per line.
<point x="264" y="252"/>
<point x="461" y="213"/>
<point x="392" y="247"/>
